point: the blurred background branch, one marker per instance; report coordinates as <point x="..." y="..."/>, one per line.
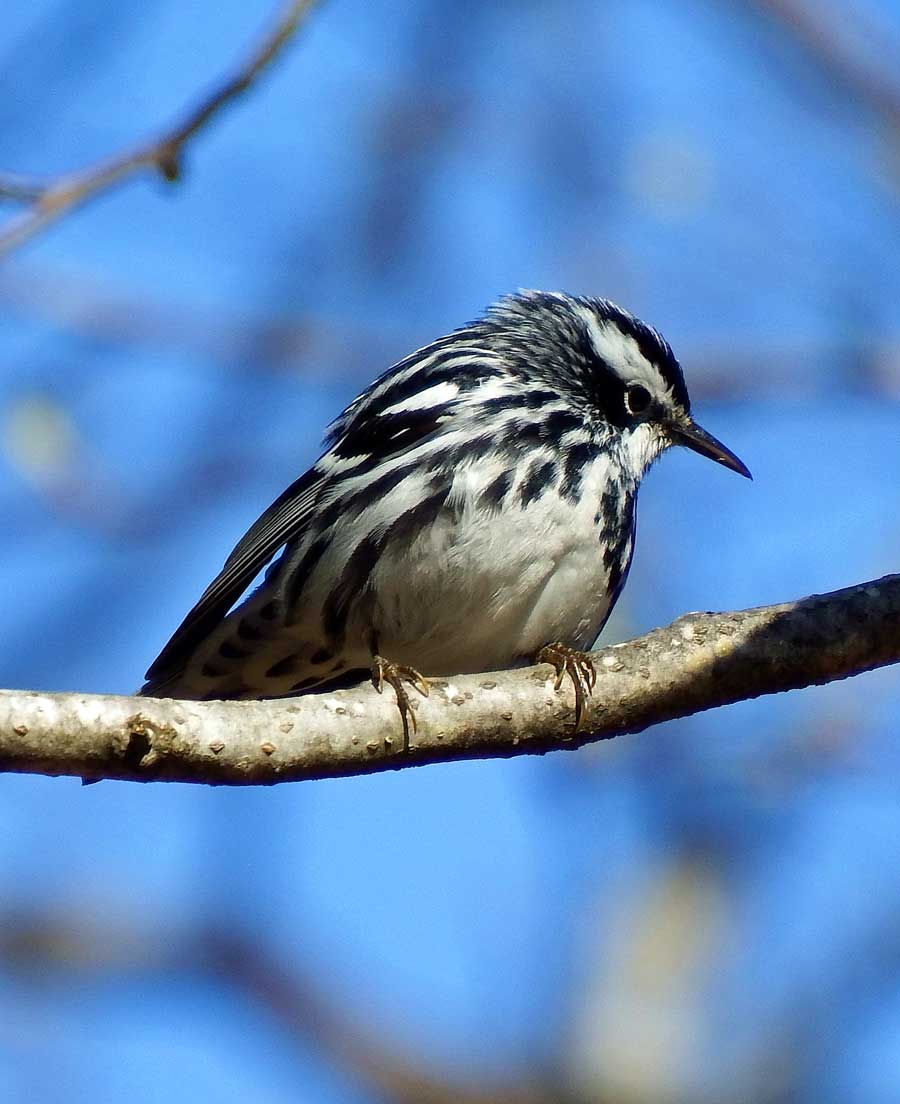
<point x="823" y="35"/>
<point x="48" y="201"/>
<point x="378" y="1056"/>
<point x="84" y="306"/>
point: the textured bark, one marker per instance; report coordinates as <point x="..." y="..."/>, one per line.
<point x="700" y="661"/>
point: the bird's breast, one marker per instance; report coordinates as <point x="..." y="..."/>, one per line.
<point x="497" y="576"/>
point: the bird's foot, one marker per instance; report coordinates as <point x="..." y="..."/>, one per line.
<point x="395" y="674"/>
<point x="578" y="666"/>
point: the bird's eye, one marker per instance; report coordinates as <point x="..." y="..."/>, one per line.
<point x="637" y="398"/>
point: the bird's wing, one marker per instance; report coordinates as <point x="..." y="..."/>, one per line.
<point x="382" y="423"/>
<point x="370" y="440"/>
<point x="276" y="527"/>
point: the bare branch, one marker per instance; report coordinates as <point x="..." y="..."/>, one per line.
<point x="21" y="189"/>
<point x="79" y="303"/>
<point x="700" y="661"/>
<point x="821" y="37"/>
<point x="93" y="946"/>
<point x="50" y="200"/>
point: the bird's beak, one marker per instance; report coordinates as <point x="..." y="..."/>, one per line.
<point x="696" y="438"/>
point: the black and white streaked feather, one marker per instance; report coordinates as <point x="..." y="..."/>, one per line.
<point x="476" y="502"/>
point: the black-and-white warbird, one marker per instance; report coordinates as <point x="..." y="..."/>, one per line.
<point x="474" y="510"/>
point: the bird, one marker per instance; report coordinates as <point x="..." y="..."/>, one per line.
<point x="473" y="510"/>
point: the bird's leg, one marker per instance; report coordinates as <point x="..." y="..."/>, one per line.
<point x="383" y="671"/>
<point x="578" y="666"/>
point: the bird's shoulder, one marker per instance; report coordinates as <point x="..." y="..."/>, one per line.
<point x="418" y="395"/>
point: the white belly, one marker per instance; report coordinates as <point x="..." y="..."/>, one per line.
<point x="483" y="589"/>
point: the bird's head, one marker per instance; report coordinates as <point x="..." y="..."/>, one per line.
<point x="621" y="373"/>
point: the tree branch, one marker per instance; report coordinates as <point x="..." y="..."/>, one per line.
<point x="824" y="41"/>
<point x="700" y="661"/>
<point x="47" y="201"/>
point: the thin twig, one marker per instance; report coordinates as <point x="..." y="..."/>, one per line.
<point x="47" y="202"/>
<point x="701" y="661"/>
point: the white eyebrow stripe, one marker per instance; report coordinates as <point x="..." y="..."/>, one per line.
<point x="424" y="400"/>
<point x="622" y="353"/>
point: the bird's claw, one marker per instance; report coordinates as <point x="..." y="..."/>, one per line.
<point x="578" y="666"/>
<point x="395" y="674"/>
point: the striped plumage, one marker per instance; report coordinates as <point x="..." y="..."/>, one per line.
<point x="475" y="503"/>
